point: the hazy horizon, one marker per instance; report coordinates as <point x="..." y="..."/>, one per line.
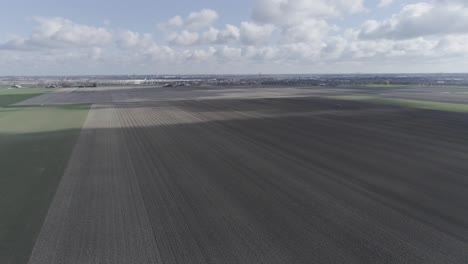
<point x="240" y="74"/>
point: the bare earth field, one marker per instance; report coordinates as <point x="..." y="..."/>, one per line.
<point x="155" y="178"/>
<point x="150" y="94"/>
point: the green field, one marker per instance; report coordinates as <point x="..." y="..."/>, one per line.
<point x="350" y="97"/>
<point x="11" y="96"/>
<point x="385" y="86"/>
<point x="430" y="105"/>
<point x="35" y="145"/>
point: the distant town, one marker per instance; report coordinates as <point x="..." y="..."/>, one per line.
<point x="235" y="80"/>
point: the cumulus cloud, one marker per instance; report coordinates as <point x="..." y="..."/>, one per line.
<point x="384" y="3"/>
<point x="200" y="54"/>
<point x="309" y="31"/>
<point x="184" y="38"/>
<point x="95" y="53"/>
<point x="176" y="21"/>
<point x="214" y="36"/>
<point x="297" y="33"/>
<point x="383" y="48"/>
<point x="201" y="19"/>
<point x="303" y="24"/>
<point x="455" y="45"/>
<point x="159" y="53"/>
<point x="195" y="29"/>
<point x="420" y="19"/>
<point x="210" y="36"/>
<point x="461" y="2"/>
<point x="254" y="34"/>
<point x="230" y="33"/>
<point x="59" y="32"/>
<point x="261" y="53"/>
<point x="227" y="53"/>
<point x="130" y="39"/>
<point x="194" y="21"/>
<point x="295" y="11"/>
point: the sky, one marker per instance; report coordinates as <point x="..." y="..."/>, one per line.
<point x="56" y="37"/>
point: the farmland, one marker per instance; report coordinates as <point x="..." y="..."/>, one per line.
<point x="431" y="105"/>
<point x="260" y="175"/>
<point x="11" y="96"/>
<point x="35" y="144"/>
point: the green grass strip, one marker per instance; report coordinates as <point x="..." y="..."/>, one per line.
<point x="11" y="96"/>
<point x="35" y="145"/>
<point x="430" y="105"/>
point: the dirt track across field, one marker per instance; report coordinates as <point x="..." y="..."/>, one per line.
<point x="291" y="180"/>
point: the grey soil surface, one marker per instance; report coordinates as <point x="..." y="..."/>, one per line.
<point x="147" y="94"/>
<point x="101" y="95"/>
<point x="290" y="180"/>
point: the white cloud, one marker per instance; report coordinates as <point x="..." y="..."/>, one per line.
<point x="95" y="53"/>
<point x="188" y="31"/>
<point x="261" y="53"/>
<point x="214" y="36"/>
<point x="161" y="53"/>
<point x="210" y="36"/>
<point x="227" y="53"/>
<point x="230" y="33"/>
<point x="384" y="3"/>
<point x="298" y="33"/>
<point x="375" y="49"/>
<point x="309" y="31"/>
<point x="461" y="2"/>
<point x="59" y="32"/>
<point x="254" y="34"/>
<point x="294" y="11"/>
<point x="200" y="54"/>
<point x="204" y="18"/>
<point x="129" y="39"/>
<point x="176" y="21"/>
<point x="184" y="38"/>
<point x="421" y="19"/>
<point x="453" y="45"/>
<point x="303" y="24"/>
<point x="201" y="19"/>
<point x="63" y="30"/>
